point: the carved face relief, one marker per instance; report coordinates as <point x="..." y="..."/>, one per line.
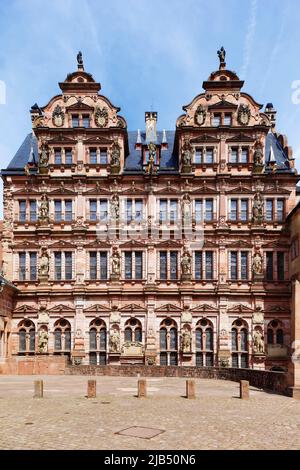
<point x="58" y="116"/>
<point x="101" y="117"/>
<point x="200" y="115"/>
<point x="244" y="114"/>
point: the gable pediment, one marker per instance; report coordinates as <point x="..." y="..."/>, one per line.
<point x="25" y="309"/>
<point x="276" y="244"/>
<point x="62" y="244"/>
<point x="167" y="190"/>
<point x="61" y="191"/>
<point x="222" y="104"/>
<point x="26" y="191"/>
<point x="26" y="244"/>
<point x="132" y="308"/>
<point x="97" y="140"/>
<point x="169" y="244"/>
<point x="98" y="190"/>
<point x="241" y="137"/>
<point x="168" y="308"/>
<point x="204" y="138"/>
<point x="204" y="308"/>
<point x="133" y="244"/>
<point x="240" y="308"/>
<point x="209" y="244"/>
<point x="60" y="308"/>
<point x="277" y="309"/>
<point x="97" y="309"/>
<point x="95" y="244"/>
<point x="134" y="191"/>
<point x="239" y="189"/>
<point x="79" y="106"/>
<point x="275" y="189"/>
<point x="240" y="244"/>
<point x="62" y="139"/>
<point x="204" y="189"/>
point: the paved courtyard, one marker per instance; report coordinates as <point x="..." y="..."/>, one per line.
<point x="216" y="419"/>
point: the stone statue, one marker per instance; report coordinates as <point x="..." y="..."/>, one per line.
<point x="221" y="55"/>
<point x="115" y="155"/>
<point x="186" y="210"/>
<point x="152" y="159"/>
<point x="187" y="154"/>
<point x="257" y="264"/>
<point x="44" y="156"/>
<point x="44" y="263"/>
<point x="44" y="208"/>
<point x="258" y="342"/>
<point x="43" y="341"/>
<point x="258" y="155"/>
<point x="186" y="263"/>
<point x="114" y="207"/>
<point x="79" y="59"/>
<point x="114" y="341"/>
<point x="186" y="341"/>
<point x="115" y="263"/>
<point x="257" y="209"/>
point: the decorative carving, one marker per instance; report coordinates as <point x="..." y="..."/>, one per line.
<point x="186" y="341"/>
<point x="151" y="165"/>
<point x="44" y="264"/>
<point x="43" y="341"/>
<point x="115" y="264"/>
<point x="186" y="212"/>
<point x="58" y="116"/>
<point x="101" y="117"/>
<point x="114" y="207"/>
<point x="258" y="342"/>
<point x="114" y="341"/>
<point x="186" y="315"/>
<point x="257" y="209"/>
<point x="258" y="158"/>
<point x="200" y="115"/>
<point x="244" y="114"/>
<point x="187" y="157"/>
<point x="186" y="263"/>
<point x="44" y="209"/>
<point x="115" y="158"/>
<point x="44" y="158"/>
<point x="257" y="264"/>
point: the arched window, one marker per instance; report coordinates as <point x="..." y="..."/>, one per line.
<point x="168" y="342"/>
<point x="26" y="331"/>
<point x="239" y="344"/>
<point x="204" y="343"/>
<point x="270" y="336"/>
<point x="62" y="337"/>
<point x="275" y="333"/>
<point x="133" y="331"/>
<point x="279" y="336"/>
<point x="98" y="342"/>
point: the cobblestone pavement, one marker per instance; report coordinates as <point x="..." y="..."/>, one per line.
<point x="216" y="419"/>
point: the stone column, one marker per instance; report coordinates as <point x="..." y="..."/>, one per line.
<point x="244" y="389"/>
<point x="190" y="389"/>
<point x="142" y="388"/>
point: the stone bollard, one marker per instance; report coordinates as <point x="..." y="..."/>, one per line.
<point x="91" y="389"/>
<point x="244" y="389"/>
<point x="190" y="389"/>
<point x="142" y="388"/>
<point x="38" y="389"/>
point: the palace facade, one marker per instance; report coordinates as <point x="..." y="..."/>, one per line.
<point x="148" y="246"/>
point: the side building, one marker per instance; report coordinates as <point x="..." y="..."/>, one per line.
<point x="155" y="247"/>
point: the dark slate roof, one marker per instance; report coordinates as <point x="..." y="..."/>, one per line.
<point x="282" y="163"/>
<point x="24" y="155"/>
<point x="168" y="162"/>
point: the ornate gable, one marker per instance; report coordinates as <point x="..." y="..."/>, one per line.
<point x="62" y="191"/>
<point x="25" y="310"/>
<point x="79" y="106"/>
<point x="222" y="104"/>
<point x="239" y="189"/>
<point x="277" y="309"/>
<point x="204" y="189"/>
<point x="276" y="244"/>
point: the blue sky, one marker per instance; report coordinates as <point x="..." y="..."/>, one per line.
<point x="147" y="54"/>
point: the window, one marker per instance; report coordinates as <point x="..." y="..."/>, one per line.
<point x="243" y="339"/>
<point x="57" y="340"/>
<point x="234" y="152"/>
<point x="103" y="265"/>
<point x="199" y="336"/>
<point x="93" y="156"/>
<point x="22" y="341"/>
<point x="138" y="265"/>
<point x="173" y="265"/>
<point x="295" y="248"/>
<point x="209" y="155"/>
<point x="208" y="210"/>
<point x="269" y="210"/>
<point x="244" y="265"/>
<point x="138" y="335"/>
<point x="95" y="259"/>
<point x="244" y="210"/>
<point x="173" y="210"/>
<point x="33" y="266"/>
<point x="163" y="264"/>
<point x="163" y="338"/>
<point x="75" y="120"/>
<point x="93" y="265"/>
<point x="68" y="210"/>
<point x="103" y="210"/>
<point x="138" y="210"/>
<point x="204" y="343"/>
<point x="103" y="156"/>
<point x="198" y="210"/>
<point x="93" y="209"/>
<point x="270" y="336"/>
<point x="163" y="203"/>
<point x="31" y="340"/>
<point x="22" y="266"/>
<point x="233" y="209"/>
<point x="57" y="211"/>
<point x="86" y="120"/>
<point x="244" y="155"/>
<point x="133" y="265"/>
<point x="269" y="266"/>
<point x="68" y="157"/>
<point x="198" y="156"/>
<point x="168" y="342"/>
<point x="280" y="266"/>
<point x="57" y="157"/>
<point x="97" y="342"/>
<point x="68" y="265"/>
<point x="198" y="264"/>
<point x="33" y="211"/>
<point x="133" y="331"/>
<point x="57" y="266"/>
<point x="239" y="344"/>
<point x="128" y="265"/>
<point x="233" y="265"/>
<point x="209" y="339"/>
<point x="209" y="265"/>
<point x="234" y="339"/>
<point x="22" y="211"/>
<point x="93" y="339"/>
<point x="217" y="120"/>
<point x="280" y="210"/>
<point x="279" y="336"/>
<point x="128" y="211"/>
<point x="227" y="119"/>
<point x="26" y="330"/>
<point x="275" y="333"/>
<point x="62" y="336"/>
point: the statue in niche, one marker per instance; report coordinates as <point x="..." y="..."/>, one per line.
<point x="114" y="341"/>
<point x="44" y="156"/>
<point x="115" y="155"/>
<point x="257" y="265"/>
<point x="186" y="202"/>
<point x="44" y="263"/>
<point x="114" y="207"/>
<point x="258" y="342"/>
<point x="257" y="210"/>
<point x="150" y="169"/>
<point x="186" y="263"/>
<point x="186" y="341"/>
<point x="43" y="341"/>
<point x="258" y="155"/>
<point x="115" y="263"/>
<point x="187" y="154"/>
<point x="44" y="209"/>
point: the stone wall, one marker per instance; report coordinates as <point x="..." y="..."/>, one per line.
<point x="34" y="365"/>
<point x="263" y="379"/>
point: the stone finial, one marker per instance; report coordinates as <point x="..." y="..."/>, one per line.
<point x="139" y="138"/>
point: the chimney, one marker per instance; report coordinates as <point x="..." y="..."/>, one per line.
<point x="151" y="120"/>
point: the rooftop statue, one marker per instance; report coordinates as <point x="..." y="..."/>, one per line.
<point x="222" y="54"/>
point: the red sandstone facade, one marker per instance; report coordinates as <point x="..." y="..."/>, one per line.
<point x="151" y="247"/>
